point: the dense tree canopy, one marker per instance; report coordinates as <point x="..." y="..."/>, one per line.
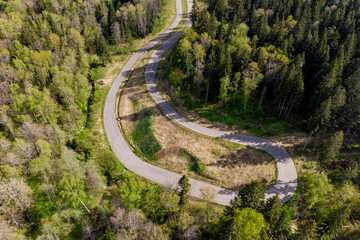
<point x="51" y="184"/>
<point x="287" y="56"/>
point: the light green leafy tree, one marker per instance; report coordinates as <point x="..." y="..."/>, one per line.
<point x="247" y="224"/>
<point x="317" y="188"/>
<point x="251" y="80"/>
<point x="224" y="89"/>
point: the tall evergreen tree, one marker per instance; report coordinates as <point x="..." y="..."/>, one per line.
<point x="184" y="190"/>
<point x="332" y="149"/>
<point x="277" y="218"/>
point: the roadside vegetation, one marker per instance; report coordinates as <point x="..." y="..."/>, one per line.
<point x="144" y="138"/>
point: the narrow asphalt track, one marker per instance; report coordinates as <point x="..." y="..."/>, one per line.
<point x="287" y="177"/>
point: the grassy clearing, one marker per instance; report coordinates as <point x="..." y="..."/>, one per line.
<point x="144" y="138"/>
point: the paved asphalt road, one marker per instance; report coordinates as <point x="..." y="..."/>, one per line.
<point x="287" y="177"/>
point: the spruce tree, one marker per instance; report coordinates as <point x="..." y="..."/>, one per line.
<point x="332" y="149"/>
<point x="250" y="196"/>
<point x="101" y="49"/>
<point x="184" y="190"/>
<point x="277" y="218"/>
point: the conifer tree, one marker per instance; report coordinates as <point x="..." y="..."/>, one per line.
<point x="250" y="196"/>
<point x="184" y="190"/>
<point x="332" y="149"/>
<point x="194" y="11"/>
<point x="277" y="218"/>
<point x="101" y="49"/>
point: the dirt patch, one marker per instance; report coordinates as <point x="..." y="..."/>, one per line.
<point x="226" y="164"/>
<point x="112" y="70"/>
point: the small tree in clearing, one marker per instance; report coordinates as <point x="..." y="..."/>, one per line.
<point x="183" y="193"/>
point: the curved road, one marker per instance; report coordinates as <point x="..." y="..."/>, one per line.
<point x="287" y="177"/>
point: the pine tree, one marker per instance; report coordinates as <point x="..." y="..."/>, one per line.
<point x="297" y="9"/>
<point x="327" y="85"/>
<point x="235" y="86"/>
<point x="306" y="230"/>
<point x="98" y="13"/>
<point x="349" y="48"/>
<point x="213" y="25"/>
<point x="221" y="10"/>
<point x="250" y="196"/>
<point x="322" y="117"/>
<point x="252" y="21"/>
<point x="194" y="11"/>
<point x="334" y="226"/>
<point x="238" y="8"/>
<point x="111" y="18"/>
<point x="277" y="218"/>
<point x="184" y="190"/>
<point x="332" y="149"/>
<point x="101" y="48"/>
<point x="210" y="66"/>
<point x="262" y="28"/>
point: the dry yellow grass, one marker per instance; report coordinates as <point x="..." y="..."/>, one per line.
<point x="226" y="164"/>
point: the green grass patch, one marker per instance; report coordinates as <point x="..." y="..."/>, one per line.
<point x="195" y="164"/>
<point x="135" y="104"/>
<point x="229" y="145"/>
<point x="216" y="153"/>
<point x="144" y="138"/>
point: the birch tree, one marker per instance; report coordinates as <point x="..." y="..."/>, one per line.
<point x="224" y="88"/>
<point x="15" y="198"/>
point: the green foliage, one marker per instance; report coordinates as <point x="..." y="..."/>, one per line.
<point x="304" y="66"/>
<point x="42" y="208"/>
<point x="317" y="186"/>
<point x="223" y="92"/>
<point x="255" y="122"/>
<point x="195" y="163"/>
<point x="144" y="138"/>
<point x="243" y="224"/>
<point x="332" y="149"/>
<point x="50" y="59"/>
<point x="250" y="196"/>
<point x="277" y="217"/>
<point x="247" y="224"/>
<point x="184" y="190"/>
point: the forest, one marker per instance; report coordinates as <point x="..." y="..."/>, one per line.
<point x="291" y="58"/>
<point x="297" y="58"/>
<point x="286" y="64"/>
